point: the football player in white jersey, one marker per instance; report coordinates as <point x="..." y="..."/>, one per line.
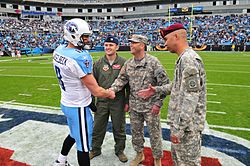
<point x="73" y="67"/>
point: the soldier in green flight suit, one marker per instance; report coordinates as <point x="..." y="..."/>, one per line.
<point x="106" y="70"/>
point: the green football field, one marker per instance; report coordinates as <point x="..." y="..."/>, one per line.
<point x="32" y="80"/>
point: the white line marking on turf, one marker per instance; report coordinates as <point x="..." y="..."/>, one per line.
<point x="31" y="76"/>
<point x="26" y="67"/>
<point x="210" y="88"/>
<point x="216" y="112"/>
<point x="55" y="84"/>
<point x="2" y="69"/>
<point x="214" y="102"/>
<point x="229" y="127"/>
<point x="4" y="119"/>
<point x="230" y="85"/>
<point x="42" y="89"/>
<point x="211" y="94"/>
<point x="23" y="94"/>
<point x="226" y="71"/>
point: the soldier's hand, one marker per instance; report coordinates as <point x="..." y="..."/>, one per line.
<point x="126" y="108"/>
<point x="174" y="139"/>
<point x="146" y="93"/>
<point x="155" y="109"/>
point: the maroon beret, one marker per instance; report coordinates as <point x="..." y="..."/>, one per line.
<point x="171" y="28"/>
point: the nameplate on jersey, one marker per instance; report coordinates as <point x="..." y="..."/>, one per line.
<point x="60" y="59"/>
<point x="116" y="67"/>
<point x="105" y="67"/>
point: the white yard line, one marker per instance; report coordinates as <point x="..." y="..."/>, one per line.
<point x="230" y="85"/>
<point x="39" y="57"/>
<point x="227" y="65"/>
<point x="43" y="89"/>
<point x="216" y="112"/>
<point x="26" y="67"/>
<point x="211" y="94"/>
<point x="31" y="76"/>
<point x="23" y="94"/>
<point x="210" y="88"/>
<point x="214" y="102"/>
<point x="55" y="84"/>
<point x="226" y="71"/>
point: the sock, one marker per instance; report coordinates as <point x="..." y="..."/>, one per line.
<point x="62" y="158"/>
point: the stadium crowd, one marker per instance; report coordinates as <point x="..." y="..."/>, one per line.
<point x="207" y="30"/>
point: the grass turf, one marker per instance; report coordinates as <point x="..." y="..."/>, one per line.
<point x="32" y="80"/>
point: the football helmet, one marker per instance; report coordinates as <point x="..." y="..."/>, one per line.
<point x="74" y="29"/>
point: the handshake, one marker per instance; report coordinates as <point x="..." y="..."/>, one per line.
<point x="111" y="93"/>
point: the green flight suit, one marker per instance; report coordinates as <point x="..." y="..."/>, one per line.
<point x="105" y="75"/>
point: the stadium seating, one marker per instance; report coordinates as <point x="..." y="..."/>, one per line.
<point x="206" y="30"/>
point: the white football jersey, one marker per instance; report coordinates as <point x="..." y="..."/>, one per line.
<point x="71" y="65"/>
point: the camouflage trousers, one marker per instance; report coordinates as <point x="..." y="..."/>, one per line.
<point x="154" y="128"/>
<point x="188" y="151"/>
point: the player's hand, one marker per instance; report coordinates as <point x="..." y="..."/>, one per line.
<point x="146" y="93"/>
<point x="126" y="108"/>
<point x="111" y="94"/>
<point x="174" y="139"/>
<point x="155" y="109"/>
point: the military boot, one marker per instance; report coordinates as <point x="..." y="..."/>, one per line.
<point x="157" y="162"/>
<point x="138" y="159"/>
<point x="93" y="154"/>
<point x="122" y="157"/>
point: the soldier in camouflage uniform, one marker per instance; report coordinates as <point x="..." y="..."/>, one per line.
<point x="140" y="71"/>
<point x="106" y="70"/>
<point x="187" y="105"/>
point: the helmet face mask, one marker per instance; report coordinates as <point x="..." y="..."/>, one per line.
<point x="74" y="29"/>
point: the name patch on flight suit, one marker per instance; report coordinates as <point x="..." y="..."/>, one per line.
<point x="116" y="67"/>
<point x="105" y="67"/>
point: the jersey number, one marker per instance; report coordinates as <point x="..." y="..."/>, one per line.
<point x="59" y="76"/>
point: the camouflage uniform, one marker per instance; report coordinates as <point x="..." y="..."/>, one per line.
<point x="139" y="74"/>
<point x="187" y="108"/>
<point x="105" y="75"/>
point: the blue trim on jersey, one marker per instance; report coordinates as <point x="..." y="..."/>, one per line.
<point x="82" y="57"/>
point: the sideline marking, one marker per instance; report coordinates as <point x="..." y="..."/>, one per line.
<point x="216" y="112"/>
<point x="23" y="94"/>
<point x="15" y="105"/>
<point x="229" y="127"/>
